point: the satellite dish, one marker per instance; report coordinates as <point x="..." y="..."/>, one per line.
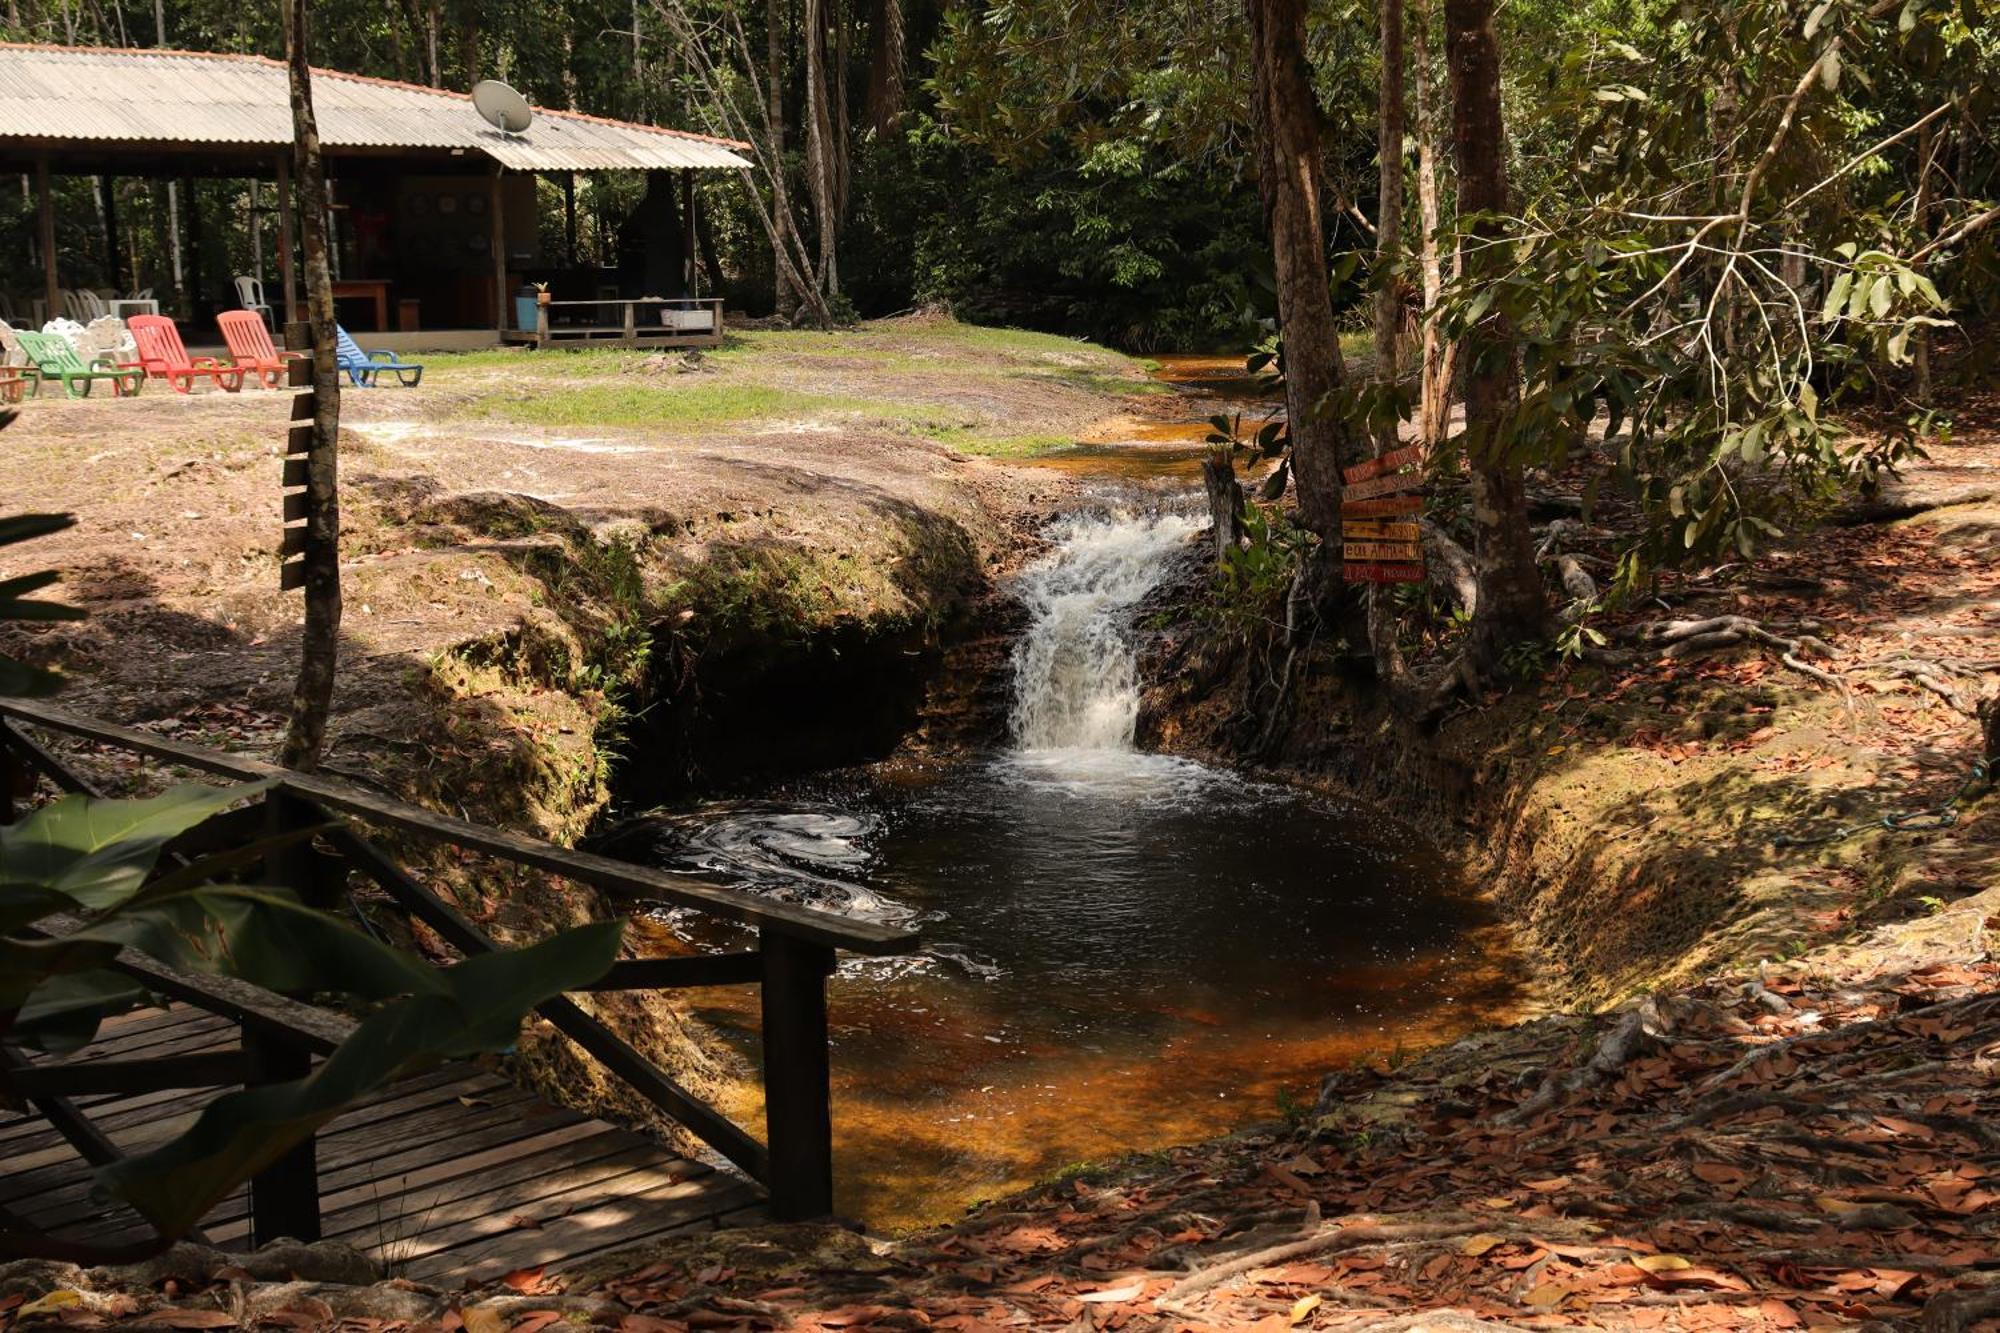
<point x="501" y="107"/>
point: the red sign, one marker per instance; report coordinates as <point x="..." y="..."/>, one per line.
<point x="1387" y="485"/>
<point x="1396" y="504"/>
<point x="1358" y="573"/>
<point x="1388" y="462"/>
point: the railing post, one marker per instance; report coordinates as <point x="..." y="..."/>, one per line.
<point x="296" y="867"/>
<point x="17" y="778"/>
<point x="541" y="324"/>
<point x="798" y="1111"/>
<point x="284" y="1196"/>
<point x="631" y="323"/>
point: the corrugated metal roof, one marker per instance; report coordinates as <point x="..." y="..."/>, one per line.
<point x="101" y="94"/>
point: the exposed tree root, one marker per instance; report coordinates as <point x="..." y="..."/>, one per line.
<point x="1683" y="639"/>
<point x="1620" y="1046"/>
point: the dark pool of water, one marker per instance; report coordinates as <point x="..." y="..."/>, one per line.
<point x="1122" y="951"/>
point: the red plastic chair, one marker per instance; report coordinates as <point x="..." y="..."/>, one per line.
<point x="250" y="347"/>
<point x="164" y="357"/>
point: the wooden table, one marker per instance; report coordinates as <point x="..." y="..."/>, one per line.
<point x="373" y="289"/>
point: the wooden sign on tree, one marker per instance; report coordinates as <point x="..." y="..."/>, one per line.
<point x="1380" y="541"/>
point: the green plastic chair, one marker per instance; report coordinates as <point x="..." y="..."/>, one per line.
<point x="55" y="359"/>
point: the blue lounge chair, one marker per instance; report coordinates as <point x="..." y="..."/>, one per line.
<point x="363" y="368"/>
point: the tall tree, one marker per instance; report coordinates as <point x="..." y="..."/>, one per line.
<point x="1389" y="207"/>
<point x="1434" y="384"/>
<point x="1285" y="118"/>
<point x="785" y="298"/>
<point x="823" y="172"/>
<point x="319" y="648"/>
<point x="1388" y="293"/>
<point x="1511" y="604"/>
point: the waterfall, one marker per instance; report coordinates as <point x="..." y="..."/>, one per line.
<point x="1076" y="680"/>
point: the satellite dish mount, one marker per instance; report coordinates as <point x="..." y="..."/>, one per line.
<point x="501" y="107"/>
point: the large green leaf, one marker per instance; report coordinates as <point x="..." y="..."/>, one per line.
<point x="98" y="852"/>
<point x="267" y="937"/>
<point x="62" y="1013"/>
<point x="479" y="1007"/>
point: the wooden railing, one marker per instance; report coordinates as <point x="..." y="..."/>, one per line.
<point x="694" y="319"/>
<point x="795" y="954"/>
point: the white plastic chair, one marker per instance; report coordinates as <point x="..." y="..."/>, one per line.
<point x="250" y="295"/>
<point x="140" y="302"/>
<point x="84" y="305"/>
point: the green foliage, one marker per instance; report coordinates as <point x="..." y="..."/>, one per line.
<point x="81" y="880"/>
<point x="1254" y="579"/>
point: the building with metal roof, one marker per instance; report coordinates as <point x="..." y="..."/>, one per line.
<point x="435" y="209"/>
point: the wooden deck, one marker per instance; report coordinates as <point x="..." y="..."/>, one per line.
<point x="445" y="1177"/>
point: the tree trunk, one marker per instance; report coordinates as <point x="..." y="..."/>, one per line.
<point x="1225" y="501"/>
<point x="1511" y="603"/>
<point x="1389" y="208"/>
<point x="783" y="298"/>
<point x="885" y="65"/>
<point x="1286" y="120"/>
<point x="1434" y="390"/>
<point x="821" y="177"/>
<point x="312" y="695"/>
<point x="1388" y="295"/>
<point x="1920" y="340"/>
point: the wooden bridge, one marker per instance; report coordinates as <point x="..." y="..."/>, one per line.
<point x="449" y="1174"/>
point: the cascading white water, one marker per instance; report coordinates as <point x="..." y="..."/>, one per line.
<point x="1076" y="682"/>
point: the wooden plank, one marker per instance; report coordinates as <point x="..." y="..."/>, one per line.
<point x="296" y="472"/>
<point x="1382" y="552"/>
<point x="299" y="374"/>
<point x="541" y="1188"/>
<point x="493" y="1165"/>
<point x="295" y="507"/>
<point x="863" y="937"/>
<point x="291" y="575"/>
<point x="714" y="969"/>
<point x="1382" y="573"/>
<point x="1374" y="530"/>
<point x="304" y="405"/>
<point x="355" y="1159"/>
<point x="618" y="1221"/>
<point x="75" y="1190"/>
<point x="136" y="1127"/>
<point x="299" y="439"/>
<point x="1374" y="486"/>
<point x="201" y="1069"/>
<point x="1389" y="462"/>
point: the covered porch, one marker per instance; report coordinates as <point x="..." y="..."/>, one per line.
<point x="447" y="234"/>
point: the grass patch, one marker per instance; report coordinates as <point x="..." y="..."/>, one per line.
<point x="649" y="405"/>
<point x="565" y="361"/>
<point x="971" y="440"/>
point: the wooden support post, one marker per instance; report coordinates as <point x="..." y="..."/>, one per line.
<point x="541" y="324"/>
<point x="569" y="218"/>
<point x="45" y="211"/>
<point x="798" y="1111"/>
<point x="114" y="257"/>
<point x="286" y="268"/>
<point x="499" y="243"/>
<point x="296" y="867"/>
<point x="17" y="778"/>
<point x="284" y="1196"/>
<point x="690" y="283"/>
<point x="631" y="323"/>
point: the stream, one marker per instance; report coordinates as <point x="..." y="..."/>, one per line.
<point x="1123" y="950"/>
